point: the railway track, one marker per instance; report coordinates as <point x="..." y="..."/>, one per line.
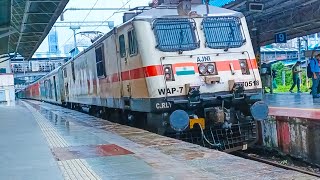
<point x="247" y="156"/>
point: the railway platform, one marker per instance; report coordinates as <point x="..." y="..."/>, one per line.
<point x="293" y="126"/>
<point x="24" y="151"/>
<point x="293" y="103"/>
<point x="48" y="141"/>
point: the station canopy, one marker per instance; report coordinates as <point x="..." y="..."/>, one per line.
<point x="24" y="24"/>
<point x="295" y="18"/>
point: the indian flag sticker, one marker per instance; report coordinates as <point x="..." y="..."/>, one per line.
<point x="186" y="70"/>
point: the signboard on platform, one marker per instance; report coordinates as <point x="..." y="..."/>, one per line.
<point x="281" y="38"/>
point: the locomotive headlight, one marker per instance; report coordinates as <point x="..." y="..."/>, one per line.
<point x="167" y="70"/>
<point x="244" y="66"/>
<point x="210" y="68"/>
<point x="168" y="74"/>
<point x="202" y="69"/>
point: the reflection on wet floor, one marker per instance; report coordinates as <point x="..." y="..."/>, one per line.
<point x="104" y="158"/>
<point x="74" y="133"/>
<point x="295" y="100"/>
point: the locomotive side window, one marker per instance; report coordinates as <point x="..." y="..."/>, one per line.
<point x="133" y="47"/>
<point x="122" y="43"/>
<point x="65" y="75"/>
<point x="175" y="35"/>
<point x="100" y="62"/>
<point x="223" y="32"/>
<point x="72" y="69"/>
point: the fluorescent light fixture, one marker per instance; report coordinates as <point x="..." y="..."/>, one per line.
<point x="255" y="7"/>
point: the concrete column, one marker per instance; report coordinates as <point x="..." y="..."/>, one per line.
<point x="299" y="49"/>
<point x="256" y="44"/>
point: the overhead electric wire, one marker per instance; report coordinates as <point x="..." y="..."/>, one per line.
<point x="108" y="18"/>
<point x="113" y="14"/>
<point x="90" y="11"/>
<point x="81" y="23"/>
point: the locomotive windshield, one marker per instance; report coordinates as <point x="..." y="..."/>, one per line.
<point x="175" y="34"/>
<point x="223" y="32"/>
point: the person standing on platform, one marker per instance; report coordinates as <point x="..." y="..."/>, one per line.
<point x="274" y="82"/>
<point x="315" y="69"/>
<point x="266" y="77"/>
<point x="296" y="76"/>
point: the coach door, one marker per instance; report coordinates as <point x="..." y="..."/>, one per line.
<point x="2" y="96"/>
<point x="124" y="68"/>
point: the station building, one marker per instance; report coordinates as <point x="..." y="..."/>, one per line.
<point x="7" y="92"/>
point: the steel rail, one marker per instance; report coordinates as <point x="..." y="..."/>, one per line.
<point x="246" y="156"/>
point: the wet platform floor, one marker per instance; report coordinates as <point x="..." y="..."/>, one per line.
<point x="293" y="105"/>
<point x="86" y="147"/>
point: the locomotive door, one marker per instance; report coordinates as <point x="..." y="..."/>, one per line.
<point x="124" y="67"/>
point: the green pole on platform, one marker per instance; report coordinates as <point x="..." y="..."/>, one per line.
<point x="283" y="78"/>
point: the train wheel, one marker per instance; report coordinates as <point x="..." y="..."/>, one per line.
<point x="140" y="119"/>
<point x="68" y="105"/>
<point x="93" y="110"/>
<point x="124" y="117"/>
<point x="155" y="123"/>
<point x="101" y="112"/>
<point x="105" y="113"/>
<point x="114" y="115"/>
<point x="78" y="107"/>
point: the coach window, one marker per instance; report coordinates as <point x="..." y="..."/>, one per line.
<point x="133" y="48"/>
<point x="122" y="46"/>
<point x="100" y="61"/>
<point x="49" y="89"/>
<point x="3" y="70"/>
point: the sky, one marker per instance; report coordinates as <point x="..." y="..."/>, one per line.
<point x="65" y="34"/>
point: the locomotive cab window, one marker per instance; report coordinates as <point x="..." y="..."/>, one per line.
<point x="223" y="32"/>
<point x="133" y="47"/>
<point x="122" y="43"/>
<point x="175" y="35"/>
<point x="100" y="62"/>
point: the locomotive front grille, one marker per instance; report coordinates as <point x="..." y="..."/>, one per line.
<point x="221" y="139"/>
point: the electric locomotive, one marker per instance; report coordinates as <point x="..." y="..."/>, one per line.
<point x="176" y="69"/>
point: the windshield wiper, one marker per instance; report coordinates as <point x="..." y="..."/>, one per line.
<point x="231" y="35"/>
<point x="181" y="37"/>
